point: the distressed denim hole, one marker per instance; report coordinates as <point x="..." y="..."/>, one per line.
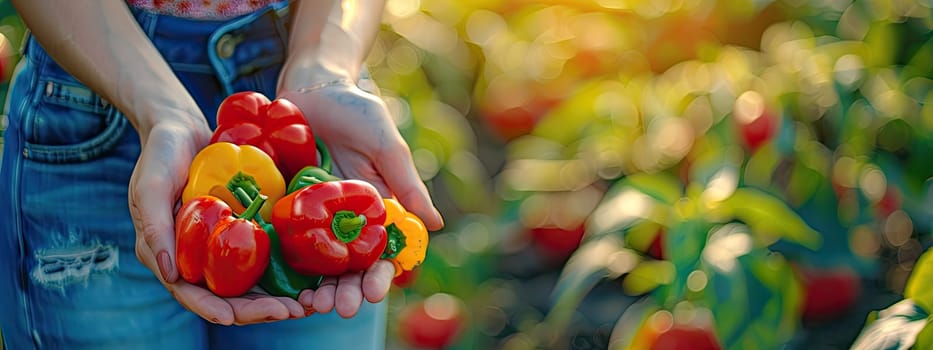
<point x="63" y="266"/>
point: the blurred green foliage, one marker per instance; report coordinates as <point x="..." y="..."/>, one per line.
<point x="800" y="127"/>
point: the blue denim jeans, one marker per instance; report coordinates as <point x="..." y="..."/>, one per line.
<point x="69" y="277"/>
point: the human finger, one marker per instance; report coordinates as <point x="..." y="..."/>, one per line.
<point x="324" y="296"/>
<point x="378" y="280"/>
<point x="249" y="310"/>
<point x="398" y="170"/>
<point x="306" y="299"/>
<point x="349" y="294"/>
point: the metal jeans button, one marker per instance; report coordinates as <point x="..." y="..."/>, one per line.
<point x="226" y="45"/>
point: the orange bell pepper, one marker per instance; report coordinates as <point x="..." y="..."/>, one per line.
<point x="408" y="238"/>
<point x="222" y="164"/>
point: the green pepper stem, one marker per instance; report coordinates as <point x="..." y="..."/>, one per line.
<point x="246" y="182"/>
<point x="347" y="225"/>
<point x="395" y="243"/>
<point x="311" y="179"/>
<point x="252" y="205"/>
<point x="326" y="162"/>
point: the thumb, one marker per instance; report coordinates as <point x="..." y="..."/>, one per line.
<point x="152" y="218"/>
<point x="155" y="186"/>
<point x="398" y="170"/>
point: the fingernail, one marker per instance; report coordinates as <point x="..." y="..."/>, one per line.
<point x="165" y="264"/>
<point x="438" y="217"/>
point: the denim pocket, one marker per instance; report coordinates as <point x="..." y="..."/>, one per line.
<point x="69" y="123"/>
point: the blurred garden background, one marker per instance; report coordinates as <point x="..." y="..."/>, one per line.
<point x="738" y="174"/>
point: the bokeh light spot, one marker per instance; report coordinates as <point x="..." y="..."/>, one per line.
<point x="402" y="8"/>
<point x="441" y="306"/>
<point x="483" y="26"/>
<point x="898" y="228"/>
<point x="697" y="280"/>
<point x="749" y="107"/>
<point x="864" y="242"/>
<point x="873" y="183"/>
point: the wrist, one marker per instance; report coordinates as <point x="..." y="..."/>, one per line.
<point x="313" y="76"/>
<point x="151" y="115"/>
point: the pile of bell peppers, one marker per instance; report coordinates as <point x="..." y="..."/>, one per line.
<point x="241" y="225"/>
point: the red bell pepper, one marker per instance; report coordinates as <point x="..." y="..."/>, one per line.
<point x="228" y="252"/>
<point x="331" y="228"/>
<point x="277" y="127"/>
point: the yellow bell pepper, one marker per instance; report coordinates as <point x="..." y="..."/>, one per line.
<point x="408" y="238"/>
<point x="223" y="163"/>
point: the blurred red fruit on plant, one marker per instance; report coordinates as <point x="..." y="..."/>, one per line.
<point x="406" y="278"/>
<point x="557" y="242"/>
<point x="6" y="58"/>
<point x="758" y="131"/>
<point x="434" y="323"/>
<point x="829" y="292"/>
<point x="681" y="337"/>
<point x="511" y="122"/>
<point x="889" y="203"/>
<point x="756" y="124"/>
<point x="656" y="249"/>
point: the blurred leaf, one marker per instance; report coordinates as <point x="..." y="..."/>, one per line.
<point x="753" y="294"/>
<point x="586" y="267"/>
<point x="919" y="63"/>
<point x="803" y="184"/>
<point x="761" y="165"/>
<point x="768" y="217"/>
<point x="663" y="187"/>
<point x="881" y="41"/>
<point x="647" y="276"/>
<point x="781" y="313"/>
<point x="621" y="207"/>
<point x="629" y="331"/>
<point x="564" y="123"/>
<point x="925" y="338"/>
<point x="897" y="328"/>
<point x="441" y="125"/>
<point x="713" y="152"/>
<point x="683" y="244"/>
<point x="640" y="235"/>
<point x="920" y="284"/>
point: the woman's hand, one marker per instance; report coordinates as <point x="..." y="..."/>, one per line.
<point x="155" y="187"/>
<point x="365" y="145"/>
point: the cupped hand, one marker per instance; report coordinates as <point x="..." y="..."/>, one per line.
<point x="155" y="187"/>
<point x="364" y="144"/>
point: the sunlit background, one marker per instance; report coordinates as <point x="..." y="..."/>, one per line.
<point x="749" y="173"/>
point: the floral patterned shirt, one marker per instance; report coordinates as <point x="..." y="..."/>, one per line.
<point x="201" y="9"/>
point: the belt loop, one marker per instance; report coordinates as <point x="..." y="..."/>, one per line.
<point x="224" y="73"/>
<point x="281" y="9"/>
<point x="33" y="51"/>
<point x="152" y="21"/>
<point x="23" y="51"/>
<point x="282" y="23"/>
<point x="144" y="19"/>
